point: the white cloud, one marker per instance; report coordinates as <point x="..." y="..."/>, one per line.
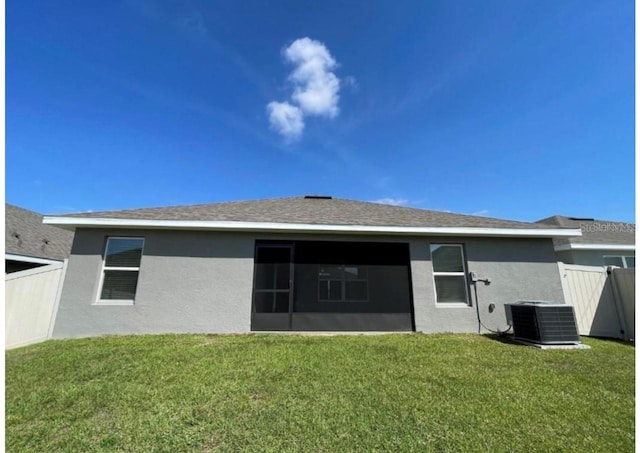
<point x="316" y="89"/>
<point x="481" y="213"/>
<point x="393" y="201"/>
<point x="286" y="119"/>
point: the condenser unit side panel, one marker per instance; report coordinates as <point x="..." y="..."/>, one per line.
<point x="525" y="325"/>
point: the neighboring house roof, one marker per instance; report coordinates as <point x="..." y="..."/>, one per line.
<point x="306" y="214"/>
<point x="596" y="234"/>
<point x="26" y="237"/>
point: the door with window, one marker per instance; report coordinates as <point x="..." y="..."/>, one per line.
<point x="272" y="290"/>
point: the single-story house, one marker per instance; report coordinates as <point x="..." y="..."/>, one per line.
<point x="29" y="243"/>
<point x="312" y="263"/>
<point x="602" y="243"/>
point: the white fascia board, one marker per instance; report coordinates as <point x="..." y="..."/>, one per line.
<point x="87" y="222"/>
<point x="621" y="247"/>
<point x="30" y="259"/>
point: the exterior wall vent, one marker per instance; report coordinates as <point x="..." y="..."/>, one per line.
<point x="543" y="322"/>
<point x="318" y="197"/>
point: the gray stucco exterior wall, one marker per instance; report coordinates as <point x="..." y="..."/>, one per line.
<point x="201" y="282"/>
<point x="590" y="257"/>
<point x="519" y="269"/>
<point x="189" y="282"/>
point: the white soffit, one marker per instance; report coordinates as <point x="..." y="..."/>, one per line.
<point x="30" y="259"/>
<point x="88" y="222"/>
<point x="623" y="247"/>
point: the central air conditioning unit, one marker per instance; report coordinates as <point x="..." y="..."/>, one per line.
<point x="543" y="322"/>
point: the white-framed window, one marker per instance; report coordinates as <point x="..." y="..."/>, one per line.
<point x="620" y="261"/>
<point x="450" y="274"/>
<point x="343" y="283"/>
<point x="120" y="269"/>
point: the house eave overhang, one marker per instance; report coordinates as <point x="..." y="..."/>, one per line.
<point x="30" y="259"/>
<point x="620" y="247"/>
<point x="72" y="223"/>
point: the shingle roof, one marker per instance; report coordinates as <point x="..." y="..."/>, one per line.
<point x="25" y="235"/>
<point x="594" y="231"/>
<point x="317" y="211"/>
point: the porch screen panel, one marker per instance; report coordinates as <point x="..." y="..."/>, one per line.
<point x="351" y="277"/>
<point x="272" y="280"/>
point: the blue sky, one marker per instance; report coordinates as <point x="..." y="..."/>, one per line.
<point x="510" y="109"/>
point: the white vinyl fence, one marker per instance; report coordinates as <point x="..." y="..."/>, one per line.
<point x="624" y="284"/>
<point x="31" y="302"/>
<point x="603" y="299"/>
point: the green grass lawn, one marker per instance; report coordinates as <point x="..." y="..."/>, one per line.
<point x="321" y="394"/>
